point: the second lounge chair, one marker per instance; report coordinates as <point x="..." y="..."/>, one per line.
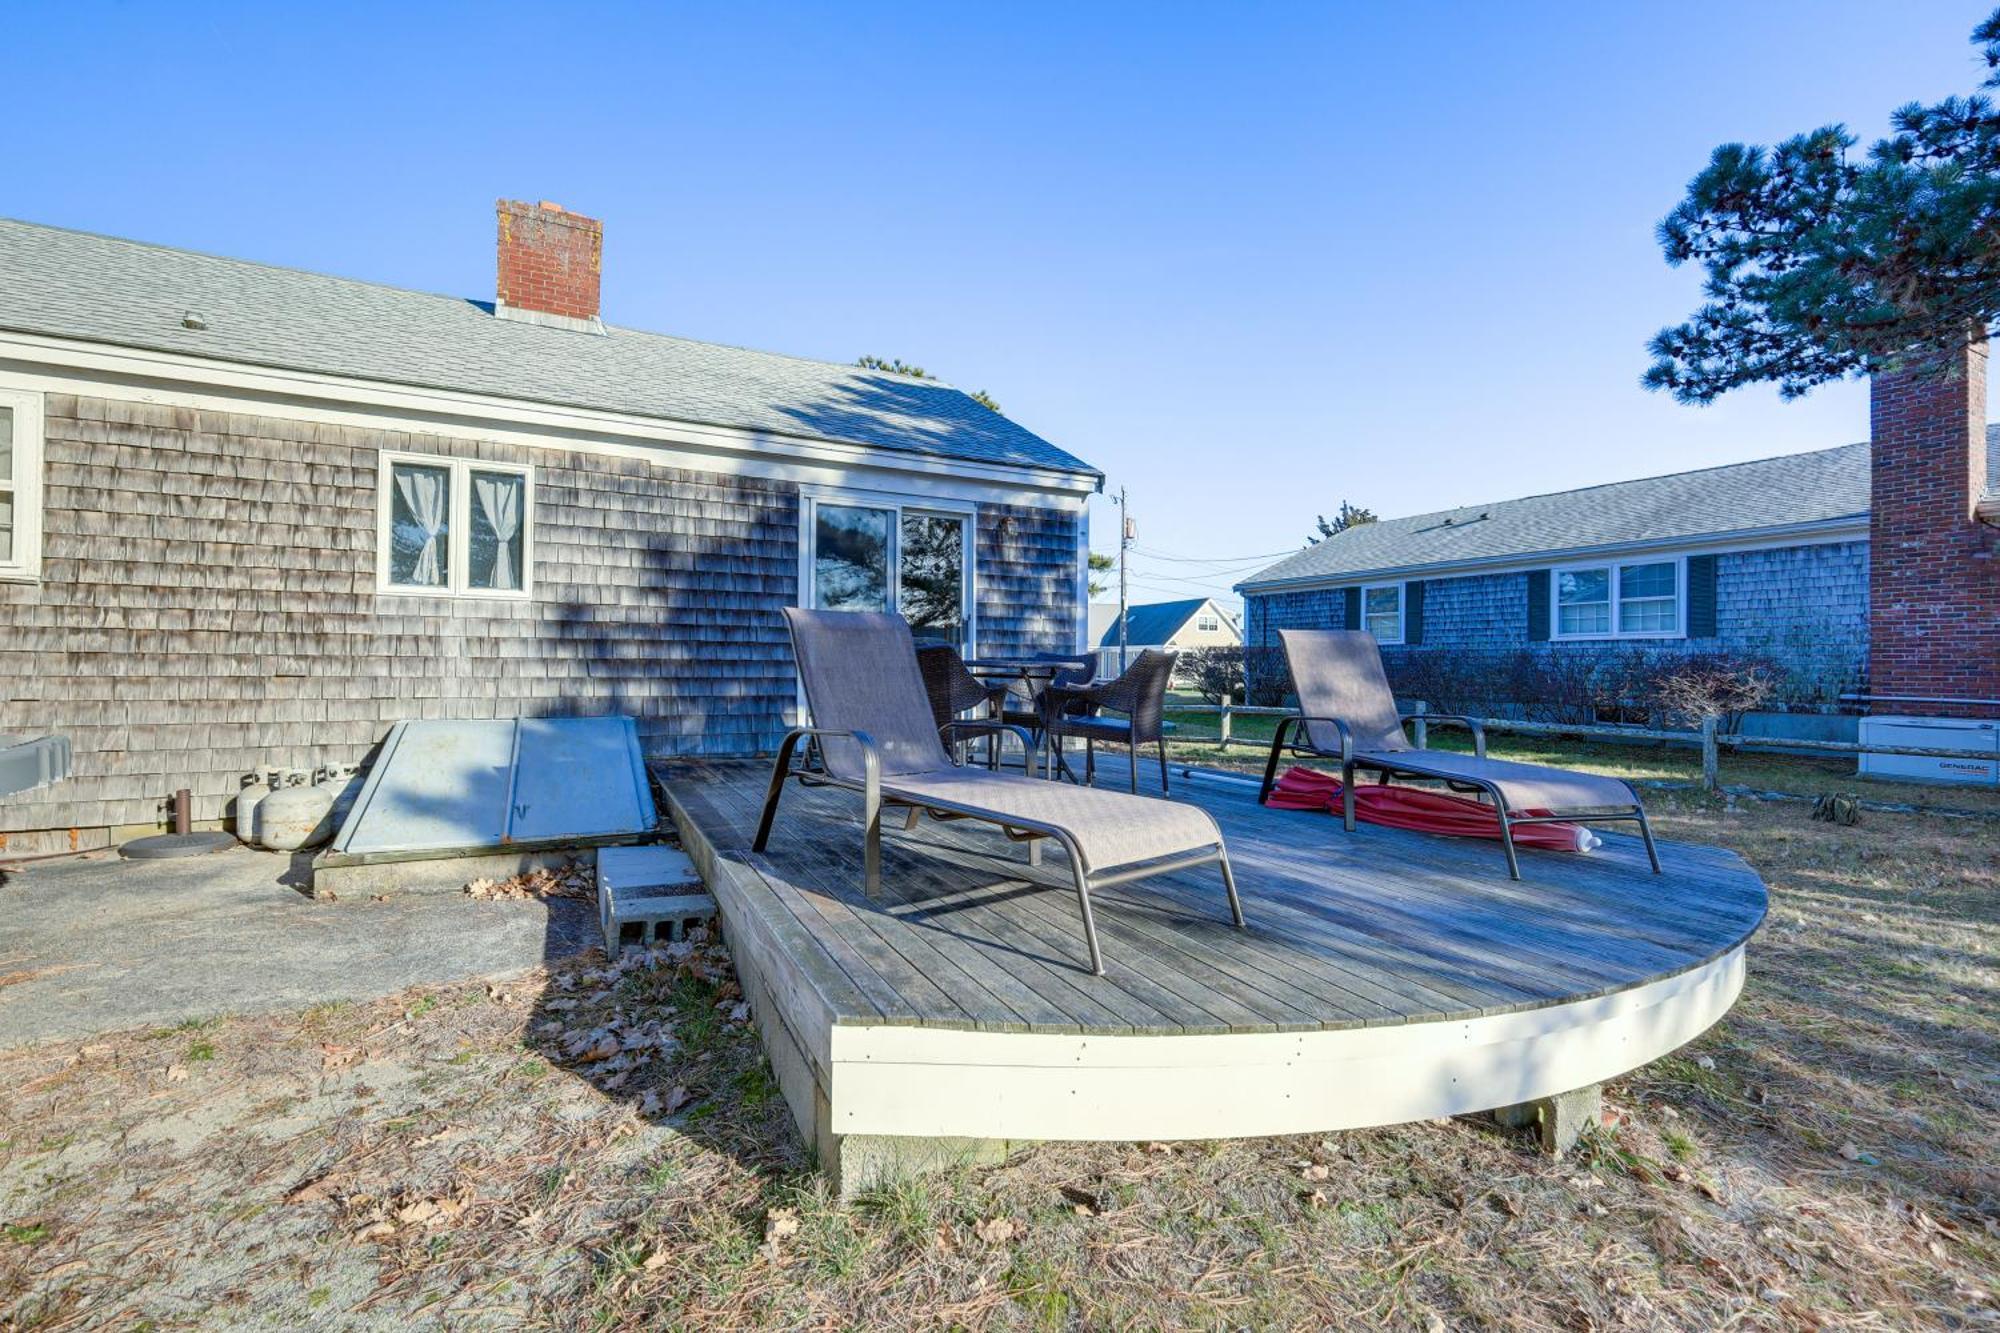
<point x="1347" y="712"/>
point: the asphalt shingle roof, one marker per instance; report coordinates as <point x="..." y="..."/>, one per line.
<point x="1824" y="485"/>
<point x="69" y="284"/>
<point x="1155" y="622"/>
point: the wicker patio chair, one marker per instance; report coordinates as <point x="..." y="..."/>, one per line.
<point x="876" y="736"/>
<point x="1348" y="712"/>
<point x="1071" y="669"/>
<point x="953" y="691"/>
<point x="1140" y="694"/>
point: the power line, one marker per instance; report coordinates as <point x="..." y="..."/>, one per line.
<point x="1209" y="560"/>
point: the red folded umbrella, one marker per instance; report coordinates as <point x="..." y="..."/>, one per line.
<point x="1424" y="811"/>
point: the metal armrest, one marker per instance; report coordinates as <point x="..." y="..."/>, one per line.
<point x="1299" y="722"/>
<point x="1470" y="724"/>
<point x="871" y="775"/>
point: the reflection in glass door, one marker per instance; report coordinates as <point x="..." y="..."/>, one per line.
<point x="851" y="558"/>
<point x="931" y="568"/>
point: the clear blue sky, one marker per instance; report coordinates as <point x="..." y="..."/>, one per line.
<point x="1247" y="260"/>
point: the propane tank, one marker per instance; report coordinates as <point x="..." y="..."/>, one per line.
<point x="299" y="816"/>
<point x="345" y="780"/>
<point x="256" y="786"/>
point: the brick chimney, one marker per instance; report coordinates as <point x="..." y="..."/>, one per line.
<point x="1933" y="571"/>
<point x="549" y="265"/>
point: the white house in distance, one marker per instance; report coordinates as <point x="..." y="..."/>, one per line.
<point x="1197" y="622"/>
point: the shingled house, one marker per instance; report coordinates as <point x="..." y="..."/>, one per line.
<point x="1864" y="569"/>
<point x="251" y="516"/>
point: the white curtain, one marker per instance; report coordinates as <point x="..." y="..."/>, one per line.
<point x="424" y="492"/>
<point x="500" y="501"/>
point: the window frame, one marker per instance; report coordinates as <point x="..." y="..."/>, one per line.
<point x="25" y="484"/>
<point x="1615" y="586"/>
<point x="1402" y="610"/>
<point x="811" y="497"/>
<point x="458" y="517"/>
<point x="1207" y="622"/>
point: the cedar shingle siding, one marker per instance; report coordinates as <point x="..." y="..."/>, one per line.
<point x="1027" y="580"/>
<point x="207" y="607"/>
<point x="1803" y="607"/>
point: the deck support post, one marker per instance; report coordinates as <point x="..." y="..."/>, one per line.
<point x="858" y="1163"/>
<point x="1560" y="1120"/>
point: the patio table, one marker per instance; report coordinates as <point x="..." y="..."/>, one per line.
<point x="1035" y="675"/>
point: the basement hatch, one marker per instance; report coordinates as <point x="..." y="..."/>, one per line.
<point x="447" y="788"/>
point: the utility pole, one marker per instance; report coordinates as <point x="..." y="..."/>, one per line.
<point x="1124" y="540"/>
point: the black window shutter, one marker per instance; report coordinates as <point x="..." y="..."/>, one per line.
<point x="1701" y="596"/>
<point x="1353" y="610"/>
<point x="1538" y="606"/>
<point x="1413" y="611"/>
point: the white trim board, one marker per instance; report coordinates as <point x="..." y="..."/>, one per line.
<point x="934" y="1082"/>
<point x="35" y="362"/>
<point x="24" y="485"/>
<point x="1824" y="532"/>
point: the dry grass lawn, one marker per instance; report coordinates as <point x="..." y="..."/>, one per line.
<point x="605" y="1149"/>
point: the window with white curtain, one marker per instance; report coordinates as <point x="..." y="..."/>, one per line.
<point x="453" y="527"/>
<point x="20" y="484"/>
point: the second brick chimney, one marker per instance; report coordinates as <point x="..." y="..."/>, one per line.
<point x="1933" y="570"/>
<point x="550" y="261"/>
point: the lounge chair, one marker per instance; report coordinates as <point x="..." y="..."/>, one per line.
<point x="1347" y="712"/>
<point x="875" y="735"/>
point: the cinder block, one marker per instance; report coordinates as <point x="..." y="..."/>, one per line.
<point x="648" y="895"/>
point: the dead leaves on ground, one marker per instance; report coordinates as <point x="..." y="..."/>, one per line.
<point x="572" y="879"/>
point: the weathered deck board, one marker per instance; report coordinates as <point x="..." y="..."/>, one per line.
<point x="1377" y="927"/>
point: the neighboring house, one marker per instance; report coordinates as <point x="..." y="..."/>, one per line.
<point x="251" y="516"/>
<point x="1196" y="622"/>
<point x="1783" y="559"/>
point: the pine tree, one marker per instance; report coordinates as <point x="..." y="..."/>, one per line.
<point x="896" y="366"/>
<point x="1348" y="517"/>
<point x="1821" y="266"/>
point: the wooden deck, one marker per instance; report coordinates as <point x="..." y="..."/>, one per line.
<point x="1410" y="951"/>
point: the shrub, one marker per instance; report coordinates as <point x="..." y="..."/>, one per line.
<point x="1267" y="682"/>
<point x="1713" y="685"/>
<point x="1213" y="672"/>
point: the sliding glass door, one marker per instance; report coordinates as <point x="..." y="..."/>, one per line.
<point x="875" y="555"/>
<point x="935" y="595"/>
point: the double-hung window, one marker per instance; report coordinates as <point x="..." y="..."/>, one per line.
<point x="1208" y="624"/>
<point x="1626" y="601"/>
<point x="1382" y="612"/>
<point x="866" y="551"/>
<point x="20" y="484"/>
<point x="454" y="527"/>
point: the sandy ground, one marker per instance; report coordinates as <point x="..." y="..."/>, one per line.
<point x="594" y="1147"/>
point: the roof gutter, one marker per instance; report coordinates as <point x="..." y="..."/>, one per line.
<point x="1819" y="530"/>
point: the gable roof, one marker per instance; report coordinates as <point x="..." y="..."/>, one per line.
<point x="1827" y="487"/>
<point x="70" y="284"/>
<point x="1157" y="622"/>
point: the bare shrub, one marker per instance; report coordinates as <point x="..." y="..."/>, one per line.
<point x="1713" y="685"/>
<point x="1213" y="672"/>
<point x="1266" y="679"/>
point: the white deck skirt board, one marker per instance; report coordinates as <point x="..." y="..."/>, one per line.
<point x="452" y="785"/>
<point x="931" y="1083"/>
<point x="1385" y="976"/>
